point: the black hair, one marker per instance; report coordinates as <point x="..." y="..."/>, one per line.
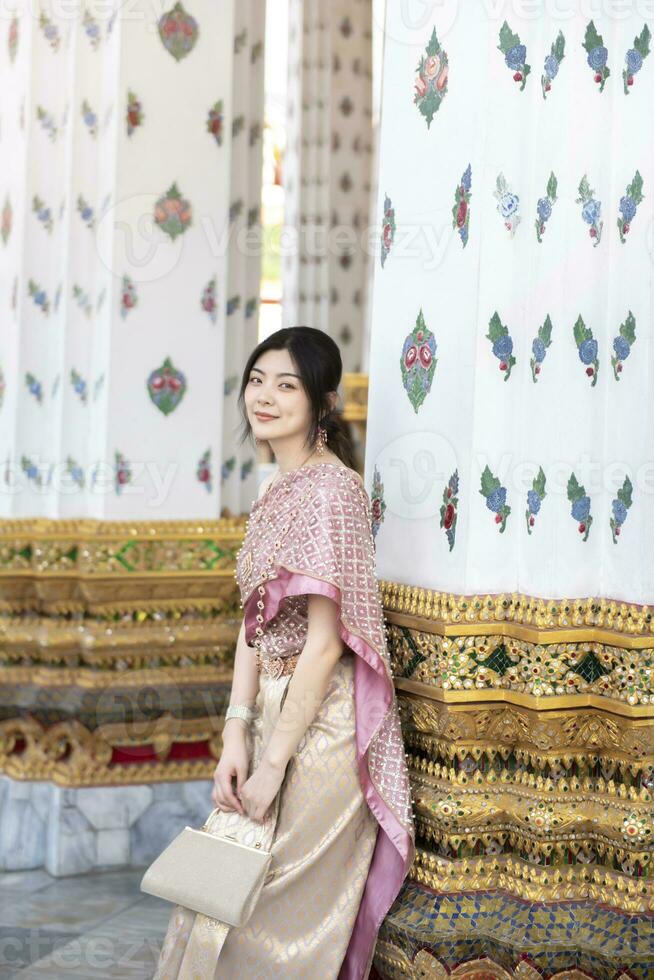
<point x="319" y="364"/>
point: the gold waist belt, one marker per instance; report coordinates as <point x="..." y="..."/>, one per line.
<point x="276" y="666"/>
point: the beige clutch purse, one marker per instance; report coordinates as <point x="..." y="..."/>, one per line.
<point x="216" y="876"/>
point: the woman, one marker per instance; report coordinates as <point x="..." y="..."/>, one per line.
<point x="320" y="772"/>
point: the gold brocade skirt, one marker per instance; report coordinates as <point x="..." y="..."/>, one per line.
<point x="322" y="835"/>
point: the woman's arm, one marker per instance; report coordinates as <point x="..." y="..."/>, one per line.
<point x="308" y="684"/>
<point x="245" y="682"/>
<point x="235" y="756"/>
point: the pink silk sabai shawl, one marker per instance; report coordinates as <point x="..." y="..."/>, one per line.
<point x="311" y="532"/>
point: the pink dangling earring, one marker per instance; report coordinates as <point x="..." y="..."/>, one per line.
<point x="321" y="441"/>
<point x="256" y="441"/>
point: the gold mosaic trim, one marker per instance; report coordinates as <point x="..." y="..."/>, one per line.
<point x="518" y="615"/>
<point x="561" y="734"/>
<point x="55" y="652"/>
<point x="132" y="678"/>
<point x="393" y="964"/>
<point x="505" y="873"/>
<point x="557" y="791"/>
<point x="536" y="830"/>
<point x="56" y="529"/>
<point x="69" y="754"/>
<point x="480" y="663"/>
<point x="534" y="785"/>
<point x="117" y="567"/>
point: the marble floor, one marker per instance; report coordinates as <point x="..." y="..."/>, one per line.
<point x="96" y="926"/>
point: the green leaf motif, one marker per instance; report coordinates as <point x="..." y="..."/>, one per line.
<point x="551" y="187"/>
<point x="625" y="492"/>
<point x="581" y="332"/>
<point x="635" y="188"/>
<point x="558" y="48"/>
<point x="429" y="106"/>
<point x="641" y="42"/>
<point x="628" y="328"/>
<point x="584" y="190"/>
<point x="545" y="331"/>
<point x="592" y="38"/>
<point x="433" y="47"/>
<point x="488" y="482"/>
<point x="496" y="328"/>
<point x="508" y="39"/>
<point x="575" y="490"/>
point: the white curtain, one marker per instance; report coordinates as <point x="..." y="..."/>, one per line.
<point x="116" y="263"/>
<point x="239" y="476"/>
<point x="327" y="171"/>
<point x="512" y="314"/>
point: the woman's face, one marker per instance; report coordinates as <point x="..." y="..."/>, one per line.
<point x="275" y="400"/>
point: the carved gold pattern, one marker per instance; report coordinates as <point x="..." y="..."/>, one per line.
<point x="529" y="723"/>
<point x="393" y="963"/>
<point x="478" y="663"/>
<point x="69" y="754"/>
<point x="520" y="616"/>
<point x="115" y="568"/>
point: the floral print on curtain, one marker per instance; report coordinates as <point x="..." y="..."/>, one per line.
<point x="123" y="161"/>
<point x="238" y="474"/>
<point x="327" y="170"/>
<point x="533" y="435"/>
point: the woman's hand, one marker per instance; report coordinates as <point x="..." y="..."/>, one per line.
<point x="234" y="762"/>
<point x="261" y="788"/>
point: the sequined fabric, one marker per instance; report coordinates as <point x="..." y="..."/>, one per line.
<point x="328" y="539"/>
<point x="286" y="633"/>
<point x="322" y="836"/>
<point x="311" y="533"/>
<point x="342" y="825"/>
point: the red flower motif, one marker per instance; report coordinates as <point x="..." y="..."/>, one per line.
<point x="387" y="236"/>
<point x="461" y="215"/>
<point x="376" y="510"/>
<point x="410" y="356"/>
<point x="448" y="516"/>
<point x="425" y="355"/>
